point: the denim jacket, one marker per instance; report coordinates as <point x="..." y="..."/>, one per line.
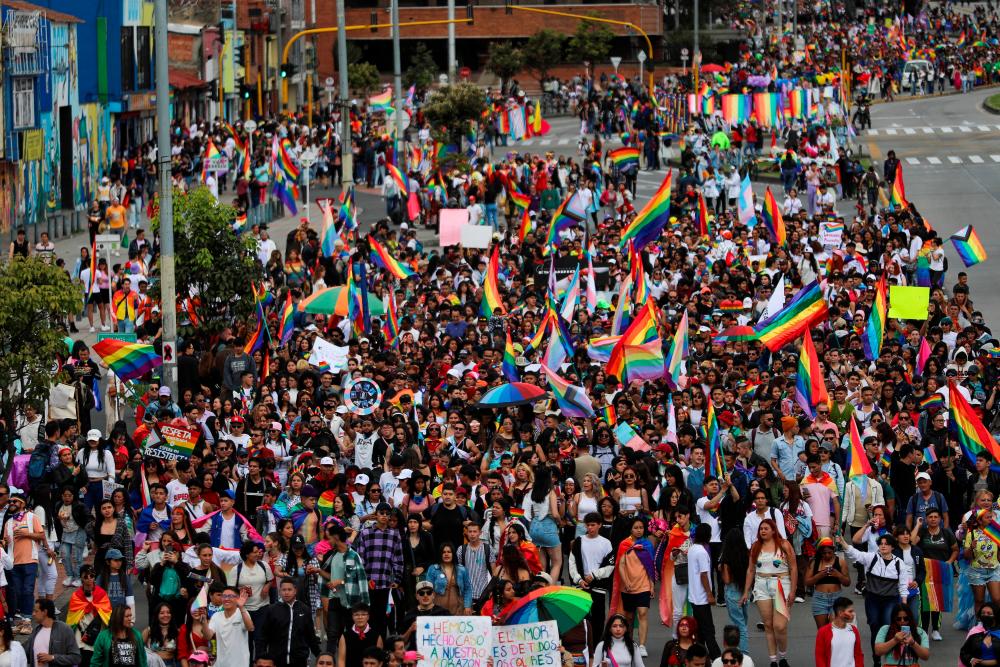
<point x="436" y="576"/>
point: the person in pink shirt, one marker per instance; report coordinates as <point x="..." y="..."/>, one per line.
<point x="820" y="492"/>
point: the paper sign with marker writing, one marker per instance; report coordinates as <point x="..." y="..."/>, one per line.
<point x="476" y="236"/>
<point x="909" y="303"/>
<point x="451" y="222"/>
<point x="528" y="645"/>
<point x="454" y="641"/>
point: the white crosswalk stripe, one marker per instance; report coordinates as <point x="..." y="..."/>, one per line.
<point x="527" y="142"/>
<point x="891" y="131"/>
<point x="947" y="130"/>
<point x="928" y="130"/>
<point x="995" y="158"/>
<point x="564" y="141"/>
<point x="975" y="159"/>
<point x="912" y="160"/>
<point x="965" y="128"/>
<point x="873" y="132"/>
<point x="982" y="128"/>
<point x="954" y="160"/>
<point x="933" y="160"/>
<point x="544" y="142"/>
<point x="909" y="130"/>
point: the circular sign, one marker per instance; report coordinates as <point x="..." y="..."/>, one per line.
<point x="307" y="159"/>
<point x="684" y="52"/>
<point x="328" y="82"/>
<point x="362" y="396"/>
<point x="250" y="126"/>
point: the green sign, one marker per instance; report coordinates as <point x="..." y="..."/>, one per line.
<point x="124" y="337"/>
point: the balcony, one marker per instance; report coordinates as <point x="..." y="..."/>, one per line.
<point x="25" y="43"/>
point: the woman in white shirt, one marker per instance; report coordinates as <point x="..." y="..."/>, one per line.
<point x="99" y="464"/>
<point x="616" y="648"/>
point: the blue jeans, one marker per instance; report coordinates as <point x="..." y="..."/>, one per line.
<point x="737" y="613"/>
<point x="94" y="496"/>
<point x="491" y="215"/>
<point x="71" y="550"/>
<point x="22" y="587"/>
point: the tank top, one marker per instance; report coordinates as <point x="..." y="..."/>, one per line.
<point x="830" y="579"/>
<point x="772" y="563"/>
<point x="585" y="506"/>
<point x="20" y="248"/>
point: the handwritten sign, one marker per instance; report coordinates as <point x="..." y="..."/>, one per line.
<point x="528" y="645"/>
<point x="171" y="442"/>
<point x="454" y="641"/>
<point x="217" y="164"/>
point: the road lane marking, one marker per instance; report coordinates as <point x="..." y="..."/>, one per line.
<point x="891" y="131"/>
<point x="928" y="130"/>
<point x="954" y="160"/>
<point x="975" y="159"/>
<point x="909" y="130"/>
<point x="912" y="160"/>
<point x="947" y="130"/>
<point x="965" y="128"/>
<point x="872" y="132"/>
<point x="982" y="128"/>
<point x="564" y="141"/>
<point x="995" y="158"/>
<point x="933" y="160"/>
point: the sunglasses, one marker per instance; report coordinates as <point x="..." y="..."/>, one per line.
<point x="729" y="661"/>
<point x="425" y="592"/>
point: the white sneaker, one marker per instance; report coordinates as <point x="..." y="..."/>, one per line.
<point x="105" y="327"/>
<point x="799" y="599"/>
<point x="68" y="581"/>
<point x="642" y="650"/>
<point x="936" y="636"/>
<point x="77" y="583"/>
<point x="92" y="329"/>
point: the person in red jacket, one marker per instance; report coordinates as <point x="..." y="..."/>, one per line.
<point x="838" y="643"/>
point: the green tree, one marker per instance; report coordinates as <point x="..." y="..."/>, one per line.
<point x="591" y="42"/>
<point x="362" y="77"/>
<point x="211" y="260"/>
<point x="36" y="300"/>
<point x="505" y="60"/>
<point x="543" y="51"/>
<point x="450" y="109"/>
<point x="423" y="71"/>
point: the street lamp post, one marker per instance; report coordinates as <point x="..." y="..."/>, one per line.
<point x="346" y="156"/>
<point x="642" y="59"/>
<point x="306" y="161"/>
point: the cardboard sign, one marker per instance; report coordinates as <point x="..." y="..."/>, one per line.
<point x="528" y="645"/>
<point x="171" y="442"/>
<point x="217" y="164"/>
<point x="328" y="357"/>
<point x="451" y="222"/>
<point x="454" y="641"/>
<point x="476" y="236"/>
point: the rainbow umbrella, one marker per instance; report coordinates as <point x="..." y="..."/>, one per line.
<point x="513" y="393"/>
<point x="736" y="333"/>
<point x="563" y="604"/>
<point x="333" y="301"/>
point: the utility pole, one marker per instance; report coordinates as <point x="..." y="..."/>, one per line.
<point x="232" y="58"/>
<point x="346" y="157"/>
<point x="451" y="42"/>
<point x="282" y="83"/>
<point x="697" y="50"/>
<point x="397" y="77"/>
<point x="168" y="288"/>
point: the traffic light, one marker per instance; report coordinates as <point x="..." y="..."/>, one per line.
<point x="373" y="20"/>
<point x="240" y="54"/>
<point x="246" y="91"/>
<point x="288" y="70"/>
<point x="469" y="16"/>
<point x="506" y="7"/>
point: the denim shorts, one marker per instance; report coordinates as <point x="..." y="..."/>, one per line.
<point x="822" y="603"/>
<point x="980" y="576"/>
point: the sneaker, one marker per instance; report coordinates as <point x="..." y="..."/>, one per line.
<point x="105" y="327"/>
<point x="68" y="581"/>
<point x="936" y="636"/>
<point x="760" y="626"/>
<point x="92" y="329"/>
<point x="799" y="598"/>
<point x="77" y="583"/>
<point x="642" y="650"/>
<point x="857" y="590"/>
<point x="782" y="663"/>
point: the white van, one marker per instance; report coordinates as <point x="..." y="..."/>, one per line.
<point x="911" y="68"/>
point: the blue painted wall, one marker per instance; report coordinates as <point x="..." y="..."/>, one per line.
<point x="112" y="11"/>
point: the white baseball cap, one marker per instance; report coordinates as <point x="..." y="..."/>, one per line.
<point x="406" y="473"/>
<point x="361" y="479"/>
<point x="93" y="435"/>
<point x="326" y="461"/>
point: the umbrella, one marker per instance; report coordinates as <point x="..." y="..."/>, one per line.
<point x="513" y="393"/>
<point x="333" y="301"/>
<point x="712" y="67"/>
<point x="737" y="333"/>
<point x="563" y="604"/>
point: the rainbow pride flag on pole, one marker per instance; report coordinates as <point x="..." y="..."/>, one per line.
<point x="645" y="361"/>
<point x="875" y="328"/>
<point x="775" y="223"/>
<point x="714" y="463"/>
<point x="679" y="349"/>
<point x="287" y="320"/>
<point x="398" y="178"/>
<point x="805" y="309"/>
<point x="128" y="360"/>
<point x="625" y="158"/>
<point x="968" y="246"/>
<point x="937" y="590"/>
<point x="572" y="400"/>
<point x="492" y="304"/>
<point x="968" y="428"/>
<point x="509" y="363"/>
<point x="810" y="389"/>
<point x="381" y="256"/>
<point x="649" y="223"/>
<point x="382" y="101"/>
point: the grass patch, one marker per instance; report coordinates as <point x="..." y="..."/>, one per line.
<point x="992" y="103"/>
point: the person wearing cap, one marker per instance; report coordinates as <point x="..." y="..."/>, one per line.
<point x="230" y="628"/>
<point x="164" y="402"/>
<point x="426" y="606"/>
<point x="99" y="465"/>
<point x="281" y="449"/>
<point x="381" y="549"/>
<point x="924" y="499"/>
<point x="827" y="574"/>
<point x="115" y="580"/>
<point x="199" y="659"/>
<point x="23" y="539"/>
<point x="347" y="581"/>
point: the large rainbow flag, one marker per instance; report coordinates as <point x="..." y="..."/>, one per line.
<point x="679" y="347"/>
<point x="968" y="246"/>
<point x="649" y="223"/>
<point x="572" y="400"/>
<point x="937" y="590"/>
<point x="128" y="360"/>
<point x="382" y="101"/>
<point x="625" y="158"/>
<point x="765" y="109"/>
<point x="875" y="328"/>
<point x="492" y="304"/>
<point x="805" y="309"/>
<point x="645" y="361"/>
<point x="735" y="108"/>
<point x="381" y="256"/>
<point x="968" y="428"/>
<point x="641" y="330"/>
<point x="810" y="388"/>
<point x="771" y="212"/>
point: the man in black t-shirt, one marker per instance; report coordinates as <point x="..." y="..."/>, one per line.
<point x="446" y="519"/>
<point x="425" y="607"/>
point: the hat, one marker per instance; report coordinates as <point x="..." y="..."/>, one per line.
<point x="309" y="491"/>
<point x="275" y="426"/>
<point x="164" y="391"/>
<point x="544" y="576"/>
<point x="923" y="475"/>
<point x="341" y="410"/>
<point x="236" y="419"/>
<point x="242" y="451"/>
<point x="298" y="541"/>
<point x="17" y="493"/>
<point x="93" y="435"/>
<point x="199" y="656"/>
<point x="406" y="473"/>
<point x="363" y="340"/>
<point x="361" y="479"/>
<point x="65" y="449"/>
<point x="824" y="542"/>
<point x="421" y="585"/>
<point x="327" y="461"/>
<point x="229" y="493"/>
<point x="114" y="554"/>
<point x="788" y="422"/>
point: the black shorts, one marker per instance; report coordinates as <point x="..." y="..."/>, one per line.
<point x="100" y="297"/>
<point x="633" y="601"/>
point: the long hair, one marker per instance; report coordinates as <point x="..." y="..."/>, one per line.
<point x="512" y="560"/>
<point x="117" y="626"/>
<point x="734" y="553"/>
<point x="627" y="639"/>
<point x="794" y="496"/>
<point x="542" y="486"/>
<point x="156" y="631"/>
<point x="895" y="625"/>
<point x="454" y="554"/>
<point x="759" y="544"/>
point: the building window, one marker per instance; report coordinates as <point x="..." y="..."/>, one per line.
<point x="143" y="55"/>
<point x="128" y="58"/>
<point x="24" y="102"/>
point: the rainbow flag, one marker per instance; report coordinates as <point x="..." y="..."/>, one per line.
<point x="347" y="214"/>
<point x="391" y="326"/>
<point x="283" y="160"/>
<point x="201" y="600"/>
<point x="127" y="360"/>
<point x="935" y="401"/>
<point x="572" y="400"/>
<point x="382" y="101"/>
<point x="923" y="271"/>
<point x="937" y="590"/>
<point x="398" y="178"/>
<point x="330" y="235"/>
<point x="968" y="428"/>
<point x="679" y="350"/>
<point x="810" y="388"/>
<point x="520" y="199"/>
<point x="714" y="464"/>
<point x="644" y="362"/>
<point x="287" y="323"/>
<point x="968" y="246"/>
<point x="961" y="39"/>
<point x="798" y="103"/>
<point x="599" y="349"/>
<point x="525" y="227"/>
<point x="875" y="328"/>
<point x="765" y="109"/>
<point x="885" y="458"/>
<point x="256" y="341"/>
<point x="509" y="365"/>
<point x="702" y="216"/>
<point x="735" y="108"/>
<point x="625" y="158"/>
<point x="638" y="271"/>
<point x="993" y="530"/>
<point x="492" y="304"/>
<point x="649" y="223"/>
<point x="99" y="605"/>
<point x="805" y="309"/>
<point x="381" y="256"/>
<point x="930" y="456"/>
<point x="516" y="513"/>
<point x="859" y="464"/>
<point x="569" y="214"/>
<point x="608" y="414"/>
<point x="641" y="330"/>
<point x="771" y="212"/>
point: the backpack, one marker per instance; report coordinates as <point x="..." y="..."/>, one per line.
<point x="38" y="464"/>
<point x="463" y="555"/>
<point x="463" y="510"/>
<point x="170" y="584"/>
